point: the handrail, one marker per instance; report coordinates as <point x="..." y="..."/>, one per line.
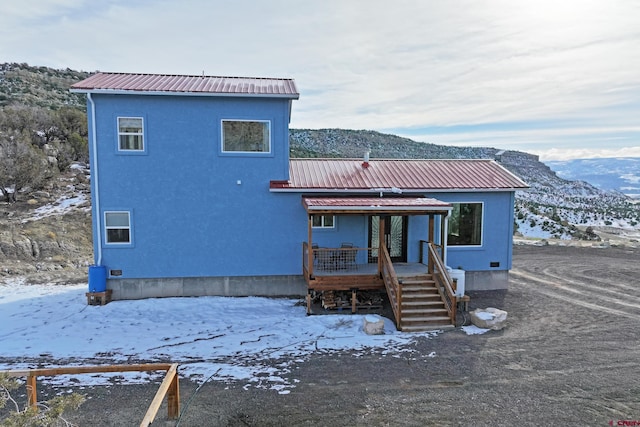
<point x="444" y="282"/>
<point x="169" y="386"/>
<point x="391" y="283"/>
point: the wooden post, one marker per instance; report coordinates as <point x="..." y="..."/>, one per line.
<point x="353" y="301"/>
<point x="443" y="237"/>
<point x="310" y="245"/>
<point x="381" y="243"/>
<point x="32" y="392"/>
<point x="167" y="385"/>
<point x="431" y="229"/>
<point x="173" y="399"/>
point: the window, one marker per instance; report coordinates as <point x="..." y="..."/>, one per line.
<point x="465" y="225"/>
<point x="117" y="227"/>
<point x="246" y="136"/>
<point x="130" y="134"/>
<point x="323" y="221"/>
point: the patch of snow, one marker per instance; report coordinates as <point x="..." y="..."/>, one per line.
<point x="474" y="330"/>
<point x="254" y="340"/>
<point x="484" y="315"/>
<point x="61" y="206"/>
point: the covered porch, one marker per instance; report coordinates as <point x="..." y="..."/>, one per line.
<point x="412" y="287"/>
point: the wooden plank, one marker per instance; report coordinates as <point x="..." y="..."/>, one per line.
<point x="157" y="400"/>
<point x="144" y="367"/>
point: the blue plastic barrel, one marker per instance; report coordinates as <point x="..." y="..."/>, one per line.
<point x="97" y="278"/>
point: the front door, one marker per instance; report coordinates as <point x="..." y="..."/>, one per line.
<point x="395" y="237"/>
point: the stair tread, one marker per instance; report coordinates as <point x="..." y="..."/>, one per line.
<point x="415" y="295"/>
<point x="418" y="282"/>
<point x="420" y="289"/>
<point x="425" y="310"/>
<point x="425" y="328"/>
<point x="424" y="319"/>
<point x="423" y="315"/>
<point x="420" y="303"/>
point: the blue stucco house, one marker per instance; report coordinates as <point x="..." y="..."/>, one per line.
<point x="194" y="193"/>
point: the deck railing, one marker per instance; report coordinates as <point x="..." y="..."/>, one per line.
<point x="391" y="283"/>
<point x="443" y="280"/>
<point x="348" y="260"/>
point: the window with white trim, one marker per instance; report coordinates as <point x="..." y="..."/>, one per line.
<point x="323" y="221"/>
<point x="465" y="225"/>
<point x="130" y="134"/>
<point x="117" y="225"/>
<point x="246" y="136"/>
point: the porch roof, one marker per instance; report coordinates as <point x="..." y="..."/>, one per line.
<point x="374" y="205"/>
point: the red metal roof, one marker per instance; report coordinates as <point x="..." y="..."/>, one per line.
<point x="183" y="84"/>
<point x="400" y="175"/>
<point x="419" y="204"/>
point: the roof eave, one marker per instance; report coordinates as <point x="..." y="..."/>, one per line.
<point x="176" y="93"/>
<point x="389" y="190"/>
<point x="379" y="208"/>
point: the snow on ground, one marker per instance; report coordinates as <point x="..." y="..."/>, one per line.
<point x="255" y="340"/>
<point x="61" y="206"/>
<point x="474" y="330"/>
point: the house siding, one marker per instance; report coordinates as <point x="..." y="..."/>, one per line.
<point x="196" y="212"/>
<point x="206" y="222"/>
<point x="497" y="231"/>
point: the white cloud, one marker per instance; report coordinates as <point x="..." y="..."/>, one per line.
<point x="411" y="64"/>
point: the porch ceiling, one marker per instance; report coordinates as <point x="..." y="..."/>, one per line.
<point x="375" y="205"/>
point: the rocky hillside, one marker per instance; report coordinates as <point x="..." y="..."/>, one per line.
<point x="21" y="84"/>
<point x="46" y="237"/>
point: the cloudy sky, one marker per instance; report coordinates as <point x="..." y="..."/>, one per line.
<point x="558" y="78"/>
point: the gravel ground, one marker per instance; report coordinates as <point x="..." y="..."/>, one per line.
<point x="569" y="356"/>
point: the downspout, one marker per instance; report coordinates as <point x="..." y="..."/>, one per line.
<point x="96" y="182"/>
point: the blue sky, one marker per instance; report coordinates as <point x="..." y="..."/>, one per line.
<point x="557" y="78"/>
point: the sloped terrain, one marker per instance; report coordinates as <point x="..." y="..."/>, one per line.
<point x="46" y="236"/>
<point x="21" y="84"/>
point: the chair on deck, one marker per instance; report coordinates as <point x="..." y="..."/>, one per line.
<point x="321" y="259"/>
<point x="348" y="256"/>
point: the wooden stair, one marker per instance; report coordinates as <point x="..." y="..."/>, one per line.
<point x="422" y="305"/>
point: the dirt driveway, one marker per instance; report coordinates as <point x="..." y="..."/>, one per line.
<point x="569" y="356"/>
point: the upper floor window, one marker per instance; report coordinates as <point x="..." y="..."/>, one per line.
<point x="323" y="221"/>
<point x="130" y="134"/>
<point x="465" y="225"/>
<point x="245" y="136"/>
<point x="117" y="226"/>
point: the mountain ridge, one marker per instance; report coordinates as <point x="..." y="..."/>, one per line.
<point x="614" y="173"/>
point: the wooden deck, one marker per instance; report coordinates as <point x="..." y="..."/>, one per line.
<point x="420" y="295"/>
